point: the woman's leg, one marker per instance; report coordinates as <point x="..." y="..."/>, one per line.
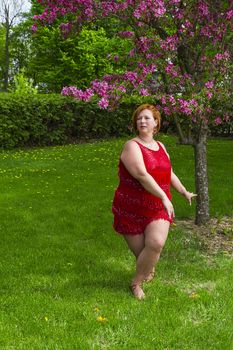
<point x="155" y="237"/>
<point x="136" y="243"/>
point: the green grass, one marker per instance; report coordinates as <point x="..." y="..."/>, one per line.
<point x="62" y="266"/>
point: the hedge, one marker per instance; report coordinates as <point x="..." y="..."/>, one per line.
<point x="52" y="119"/>
<point x="38" y="120"/>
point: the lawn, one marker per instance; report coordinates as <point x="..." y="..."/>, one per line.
<point x="65" y="273"/>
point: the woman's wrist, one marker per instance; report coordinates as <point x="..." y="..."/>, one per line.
<point x="163" y="196"/>
<point x="183" y="191"/>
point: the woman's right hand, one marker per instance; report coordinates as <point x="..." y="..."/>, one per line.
<point x="168" y="207"/>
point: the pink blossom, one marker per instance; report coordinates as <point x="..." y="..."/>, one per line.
<point x="66" y="27"/>
<point x="187" y="24"/>
<point x="103" y="103"/>
<point x="170" y="43"/>
<point x="203" y="8"/>
<point x="206" y="31"/>
<point x="131" y="76"/>
<point x="137" y="14"/>
<point x="65" y="91"/>
<point x="157" y="8"/>
<point x="172" y="100"/>
<point x="126" y="34"/>
<point x="143" y="44"/>
<point x="209" y="94"/>
<point x="174" y="2"/>
<point x="122" y="88"/>
<point x="209" y="84"/>
<point x="144" y="92"/>
<point x="178" y="13"/>
<point x="226" y="54"/>
<point x="101" y="88"/>
<point x="193" y="103"/>
<point x="79" y="94"/>
<point x="34" y="28"/>
<point x="229" y="14"/>
<point x="184" y="106"/>
<point x="87" y="95"/>
<point x="218" y="56"/>
<point x="167" y="110"/>
<point x="158" y="12"/>
<point x="170" y="69"/>
<point x="218" y="121"/>
<point x="163" y="100"/>
<point x="132" y="53"/>
<point x="226" y="118"/>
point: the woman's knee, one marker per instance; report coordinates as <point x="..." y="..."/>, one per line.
<point x="155" y="244"/>
<point x="156" y="235"/>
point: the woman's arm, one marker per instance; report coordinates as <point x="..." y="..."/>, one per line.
<point x="177" y="185"/>
<point x="133" y="160"/>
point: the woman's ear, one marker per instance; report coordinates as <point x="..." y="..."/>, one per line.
<point x="156" y="127"/>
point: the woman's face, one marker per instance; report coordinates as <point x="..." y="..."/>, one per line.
<point x="146" y="122"/>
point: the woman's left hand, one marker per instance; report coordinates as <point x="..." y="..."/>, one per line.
<point x="189" y="196"/>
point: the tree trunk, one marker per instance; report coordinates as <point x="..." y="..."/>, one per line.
<point x="201" y="179"/>
<point x="6" y="72"/>
<point x="7" y="40"/>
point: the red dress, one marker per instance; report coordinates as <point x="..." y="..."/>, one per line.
<point x="134" y="207"/>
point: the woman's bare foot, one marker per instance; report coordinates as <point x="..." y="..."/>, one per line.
<point x="150" y="277"/>
<point x="137" y="291"/>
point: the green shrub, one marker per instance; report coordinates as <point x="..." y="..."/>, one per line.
<point x="52" y="119"/>
<point x="37" y="120"/>
<point x="22" y="85"/>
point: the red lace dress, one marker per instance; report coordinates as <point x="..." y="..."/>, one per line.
<point x="133" y="207"/>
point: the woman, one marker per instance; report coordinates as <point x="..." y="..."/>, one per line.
<point x="142" y="205"/>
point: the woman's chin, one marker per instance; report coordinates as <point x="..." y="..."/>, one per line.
<point x="144" y="131"/>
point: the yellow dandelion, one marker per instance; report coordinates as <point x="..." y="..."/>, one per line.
<point x="194" y="295"/>
<point x="46" y="318"/>
<point x="101" y="319"/>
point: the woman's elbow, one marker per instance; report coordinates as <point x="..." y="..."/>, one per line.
<point x="142" y="176"/>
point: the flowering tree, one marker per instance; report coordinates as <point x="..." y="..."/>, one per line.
<point x="180" y="55"/>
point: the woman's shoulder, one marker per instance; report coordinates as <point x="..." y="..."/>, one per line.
<point x="130" y="148"/>
<point x="131" y="144"/>
<point x="162" y="145"/>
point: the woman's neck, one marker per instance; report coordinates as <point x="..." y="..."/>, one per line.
<point x="146" y="138"/>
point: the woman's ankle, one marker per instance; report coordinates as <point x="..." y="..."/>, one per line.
<point x="137" y="291"/>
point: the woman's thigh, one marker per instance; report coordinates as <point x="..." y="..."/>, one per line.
<point x="156" y="233"/>
<point x="136" y="243"/>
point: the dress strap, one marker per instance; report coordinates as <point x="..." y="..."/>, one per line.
<point x="150" y="149"/>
